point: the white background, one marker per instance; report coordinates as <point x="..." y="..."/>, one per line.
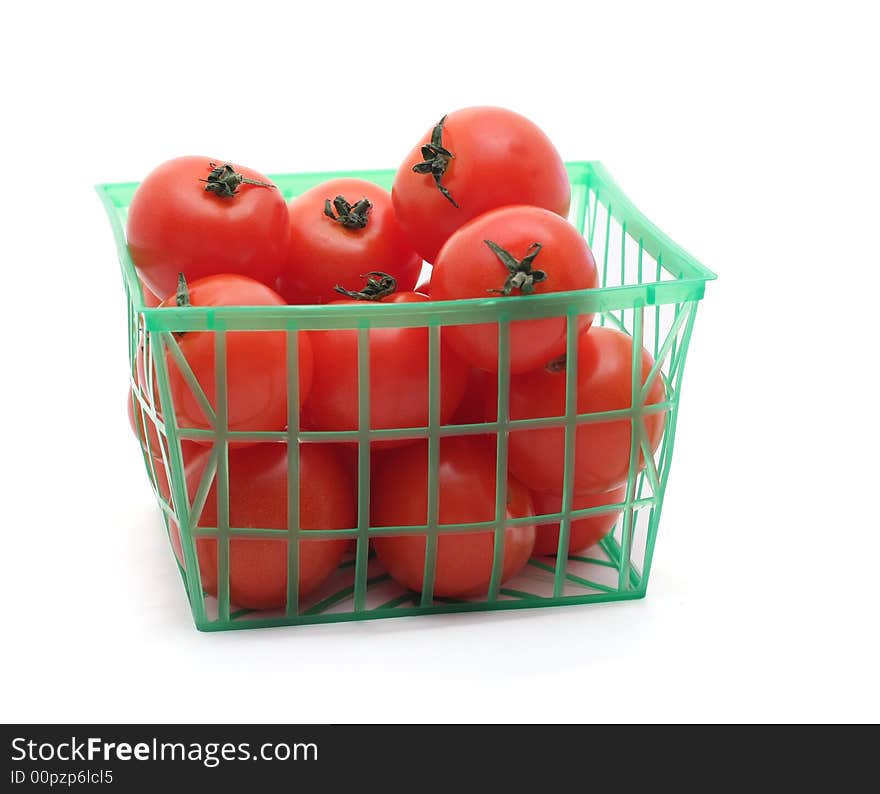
<point x="749" y="134"/>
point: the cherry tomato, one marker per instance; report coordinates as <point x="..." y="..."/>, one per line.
<point x="398" y="378"/>
<point x="360" y="233"/>
<point x="192" y="215"/>
<point x="584" y="532"/>
<point x="466" y="494"/>
<point x="602" y="449"/>
<point x="475" y="263"/>
<point x="258" y="498"/>
<point x="256" y="364"/>
<point x="473" y="161"/>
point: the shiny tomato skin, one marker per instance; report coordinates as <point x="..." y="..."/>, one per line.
<point x="602" y="449"/>
<point x="176" y="226"/>
<point x="500" y="158"/>
<point x="467" y="268"/>
<point x="466" y="494"/>
<point x="322" y="253"/>
<point x="258" y="498"/>
<point x="398" y="378"/>
<point x="584" y="532"/>
<point x="256" y="361"/>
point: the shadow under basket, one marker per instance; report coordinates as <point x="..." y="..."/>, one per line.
<point x="650" y="289"/>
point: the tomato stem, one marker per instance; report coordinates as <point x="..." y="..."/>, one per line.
<point x="519" y="271"/>
<point x="350" y="216"/>
<point x="181" y="297"/>
<point x="379" y="285"/>
<point x="224" y="181"/>
<point x="557" y="364"/>
<point x="436" y="160"/>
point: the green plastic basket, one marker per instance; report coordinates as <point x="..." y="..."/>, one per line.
<point x="650" y="289"/>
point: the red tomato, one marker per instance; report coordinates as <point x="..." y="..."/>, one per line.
<point x="475" y="160"/>
<point x="584" y="532"/>
<point x="258" y="498"/>
<point x="602" y="449"/>
<point x="398" y="378"/>
<point x="466" y="494"/>
<point x="191" y="216"/>
<point x="324" y="251"/>
<point x="256" y="361"/>
<point x="546" y="247"/>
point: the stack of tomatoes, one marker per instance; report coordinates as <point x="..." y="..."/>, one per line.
<point x="477" y="209"/>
